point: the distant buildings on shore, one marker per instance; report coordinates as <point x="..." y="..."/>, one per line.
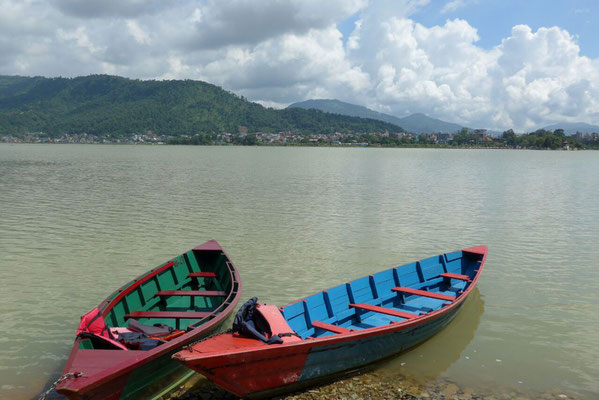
<point x="477" y="137"/>
<point x="85" y="138"/>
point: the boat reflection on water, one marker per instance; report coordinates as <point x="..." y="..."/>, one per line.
<point x="432" y="358"/>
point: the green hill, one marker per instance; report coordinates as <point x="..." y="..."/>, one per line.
<point x="102" y="104"/>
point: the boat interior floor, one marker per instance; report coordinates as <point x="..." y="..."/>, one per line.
<point x="388" y="309"/>
<point x="199" y="295"/>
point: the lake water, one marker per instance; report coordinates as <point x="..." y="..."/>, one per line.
<point x="78" y="221"/>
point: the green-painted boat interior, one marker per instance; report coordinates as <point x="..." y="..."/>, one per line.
<point x="175" y="278"/>
<point x="86" y="344"/>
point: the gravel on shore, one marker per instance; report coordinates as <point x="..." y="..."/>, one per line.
<point x="373" y="386"/>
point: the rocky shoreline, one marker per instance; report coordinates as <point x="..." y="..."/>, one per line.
<point x="374" y="386"/>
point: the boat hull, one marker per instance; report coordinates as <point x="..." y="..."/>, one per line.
<point x="343" y="328"/>
<point x="130" y="374"/>
<point x="142" y="382"/>
<point x="270" y="371"/>
<point x="335" y="358"/>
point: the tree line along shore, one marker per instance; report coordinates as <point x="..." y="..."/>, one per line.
<point x="466" y="138"/>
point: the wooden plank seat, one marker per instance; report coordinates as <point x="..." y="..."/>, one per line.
<point x="167" y="314"/>
<point x="423" y="293"/>
<point x="459" y="277"/>
<point x="383" y="310"/>
<point x="330" y="327"/>
<point x="201" y="275"/>
<point x="205" y="293"/>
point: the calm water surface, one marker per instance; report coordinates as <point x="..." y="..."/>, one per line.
<point x="78" y="221"/>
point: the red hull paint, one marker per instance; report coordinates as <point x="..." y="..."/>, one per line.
<point x="226" y="370"/>
<point x="105" y="373"/>
<point x="89" y="363"/>
<point x="247" y="367"/>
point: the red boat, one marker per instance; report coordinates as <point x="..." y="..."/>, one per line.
<point x="340" y="329"/>
<point x="190" y="296"/>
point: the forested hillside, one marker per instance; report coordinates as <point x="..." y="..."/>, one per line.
<point x="101" y="104"/>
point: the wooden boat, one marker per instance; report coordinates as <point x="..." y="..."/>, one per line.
<point x="192" y="294"/>
<point x="341" y="329"/>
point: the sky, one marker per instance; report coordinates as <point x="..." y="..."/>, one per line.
<point x="495" y="64"/>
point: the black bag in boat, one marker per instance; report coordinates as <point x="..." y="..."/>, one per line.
<point x="137" y="341"/>
<point x="157" y="330"/>
<point x="143" y="337"/>
<point x="251" y="324"/>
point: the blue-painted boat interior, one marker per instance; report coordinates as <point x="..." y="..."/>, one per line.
<point x="332" y="306"/>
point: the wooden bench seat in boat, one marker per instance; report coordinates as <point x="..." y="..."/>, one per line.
<point x="193" y="293"/>
<point x="459" y="277"/>
<point x="423" y="293"/>
<point x="201" y="275"/>
<point x="383" y="310"/>
<point x="332" y="306"/>
<point x="330" y="327"/>
<point x="167" y="314"/>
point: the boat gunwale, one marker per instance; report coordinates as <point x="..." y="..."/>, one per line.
<point x="215" y="318"/>
<point x="357" y="334"/>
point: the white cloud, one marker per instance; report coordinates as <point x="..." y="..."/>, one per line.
<point x="110" y="8"/>
<point x="277" y="52"/>
<point x="239" y="22"/>
<point x="544" y="78"/>
<point x="137" y="32"/>
<point x="582" y="11"/>
<point x="456" y="4"/>
<point x="79" y="37"/>
<point x="288" y="67"/>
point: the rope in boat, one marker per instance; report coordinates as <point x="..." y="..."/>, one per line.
<point x="66" y="376"/>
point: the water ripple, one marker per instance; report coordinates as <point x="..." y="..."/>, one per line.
<point x="78" y="221"/>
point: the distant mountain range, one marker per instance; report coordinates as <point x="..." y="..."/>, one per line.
<point x="103" y="104"/>
<point x="421" y="123"/>
<point x="415" y="123"/>
<point x="573" y="127"/>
